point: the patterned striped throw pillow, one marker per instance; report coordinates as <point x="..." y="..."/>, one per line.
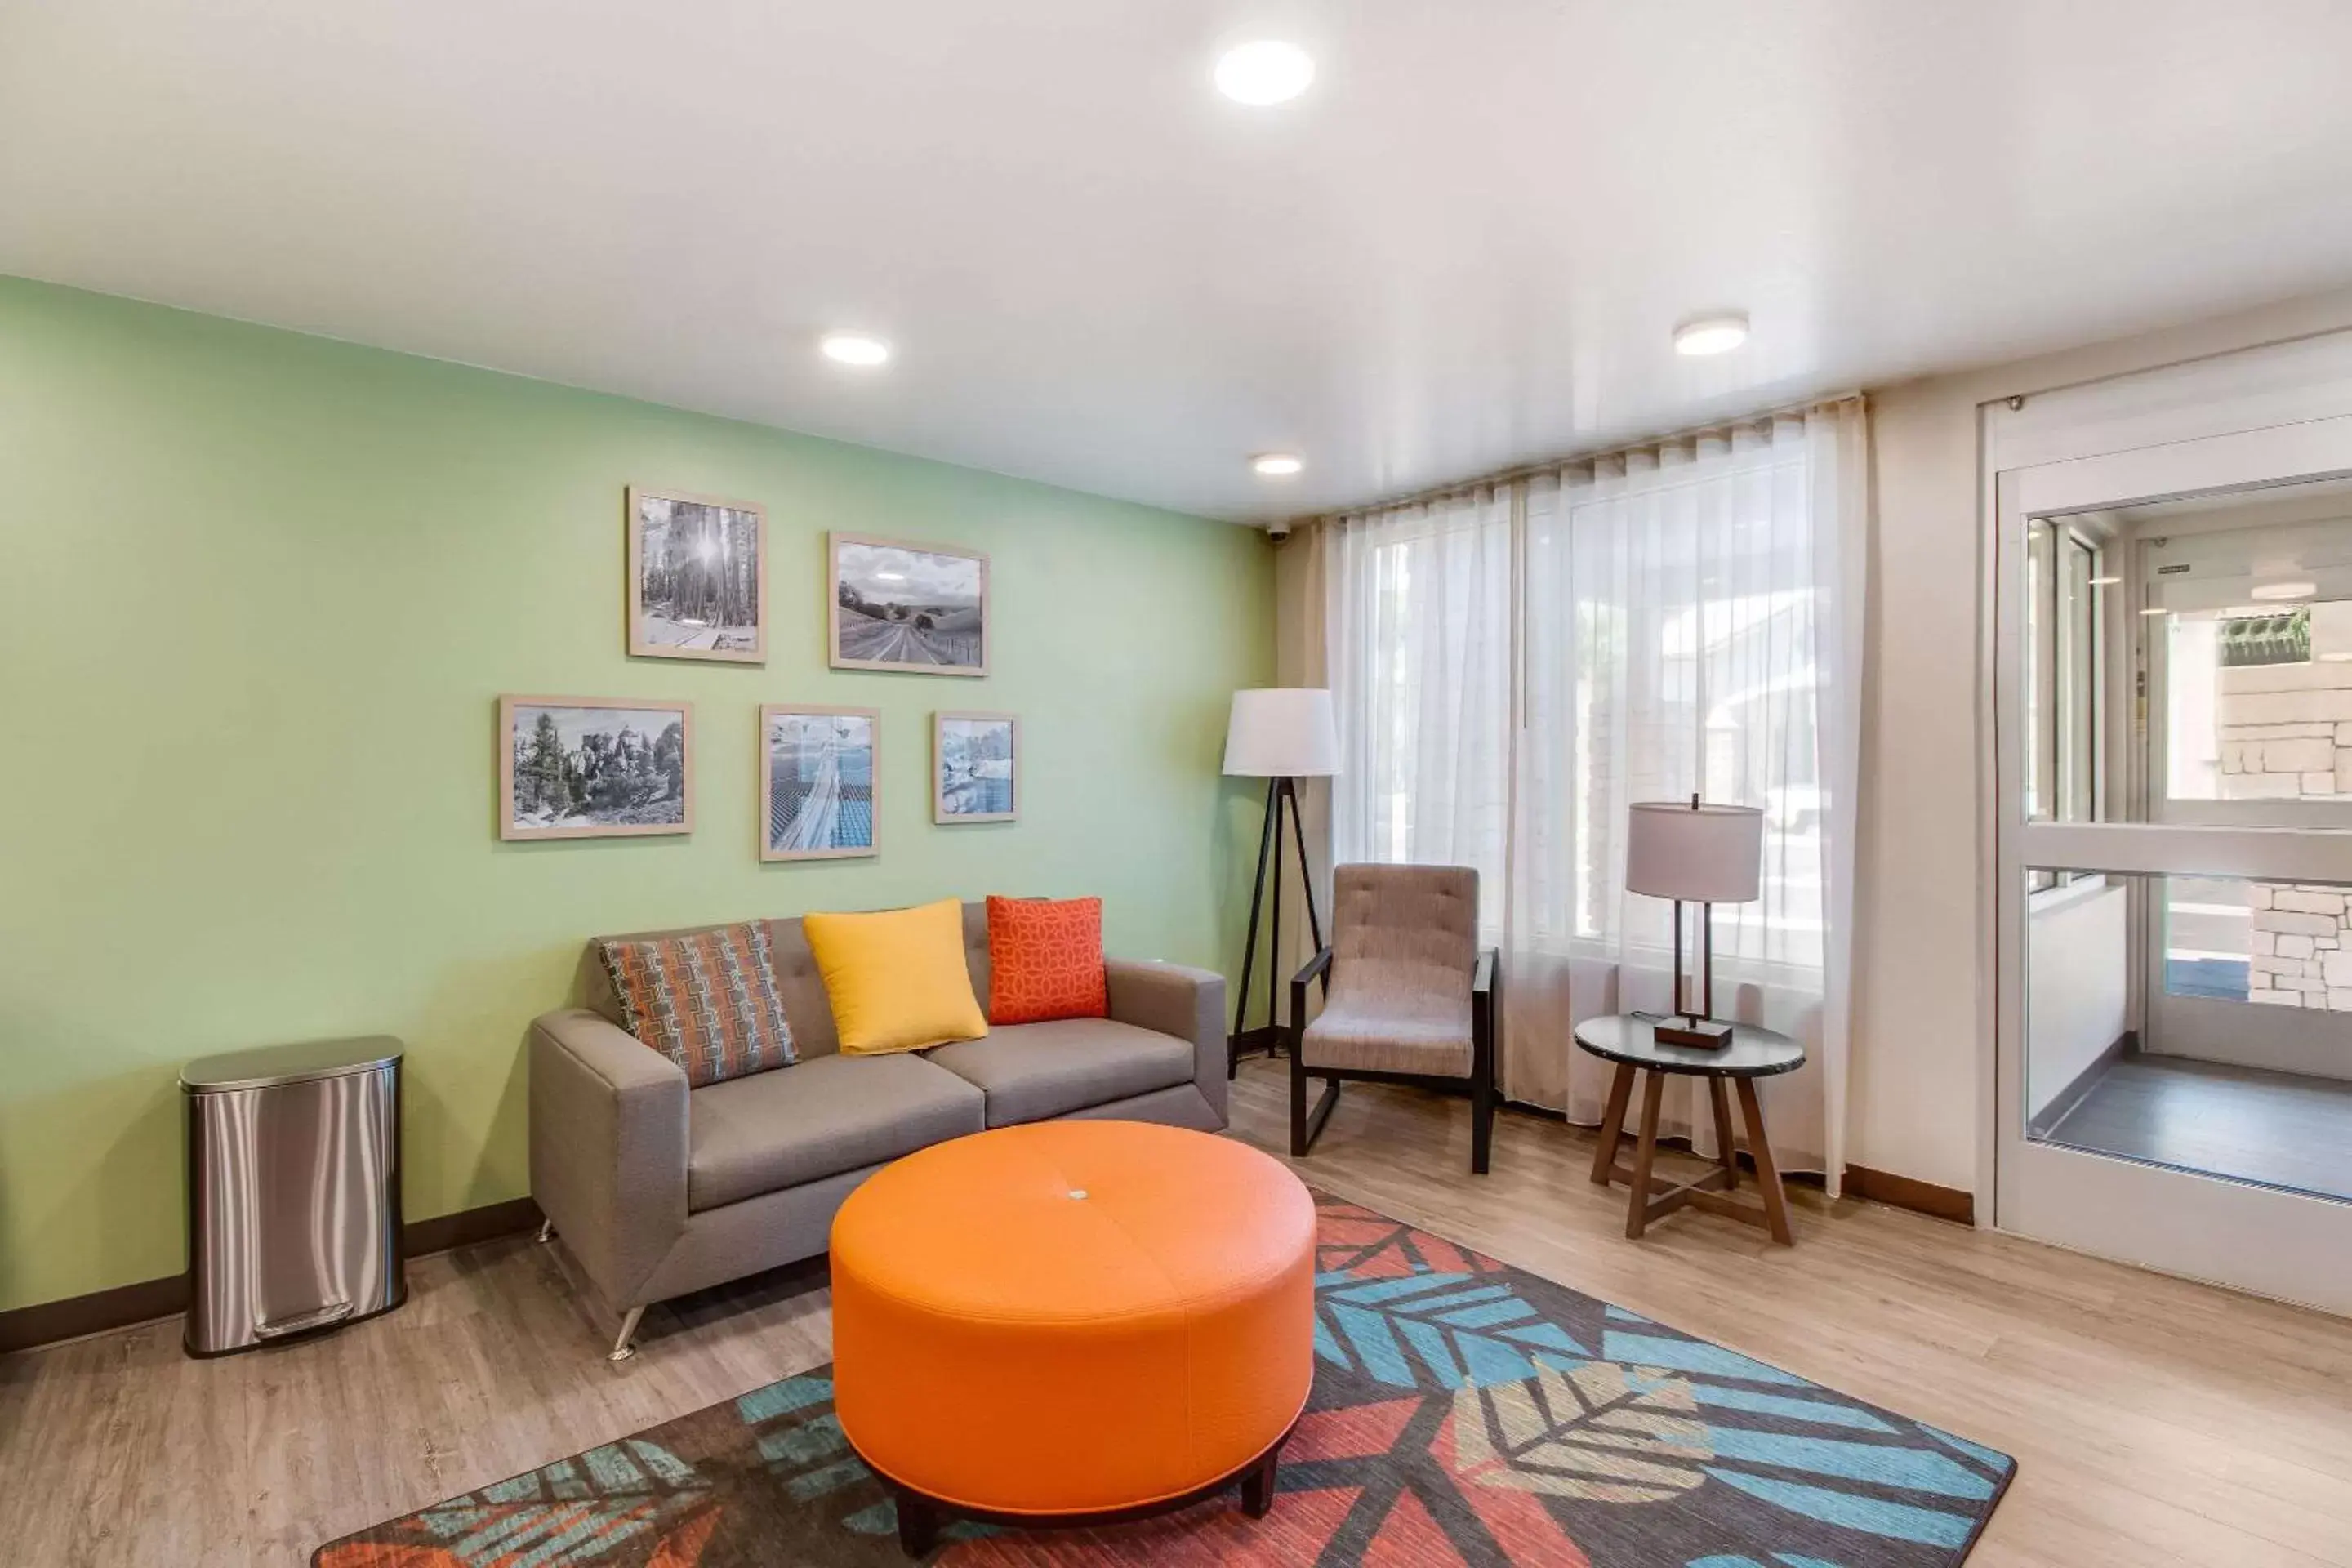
<point x="706" y="1000"/>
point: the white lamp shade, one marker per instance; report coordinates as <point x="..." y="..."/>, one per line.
<point x="1710" y="855"/>
<point x="1282" y="732"/>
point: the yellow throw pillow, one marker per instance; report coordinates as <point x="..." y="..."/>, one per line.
<point x="898" y="981"/>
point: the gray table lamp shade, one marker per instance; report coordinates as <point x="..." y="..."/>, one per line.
<point x="1703" y="855"/>
<point x="1282" y="732"/>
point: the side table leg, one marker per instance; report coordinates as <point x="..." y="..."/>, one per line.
<point x="1719" y="1094"/>
<point x="1645" y="1152"/>
<point x="1768" y="1174"/>
<point x="1613" y="1123"/>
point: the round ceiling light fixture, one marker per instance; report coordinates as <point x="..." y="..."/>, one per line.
<point x="1268" y="71"/>
<point x="853" y="348"/>
<point x="1275" y="464"/>
<point x="1712" y="334"/>
<point x="2275" y="591"/>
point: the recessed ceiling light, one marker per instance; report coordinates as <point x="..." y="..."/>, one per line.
<point x="853" y="348"/>
<point x="2283" y="590"/>
<point x="1268" y="71"/>
<point x="1711" y="334"/>
<point x="1275" y="464"/>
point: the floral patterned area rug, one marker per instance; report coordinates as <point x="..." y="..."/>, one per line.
<point x="1464" y="1412"/>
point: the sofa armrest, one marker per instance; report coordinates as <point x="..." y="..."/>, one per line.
<point x="608" y="1148"/>
<point x="1172" y="999"/>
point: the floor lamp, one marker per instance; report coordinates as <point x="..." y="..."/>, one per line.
<point x="1281" y="734"/>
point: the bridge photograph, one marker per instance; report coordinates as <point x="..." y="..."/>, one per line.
<point x="816" y="783"/>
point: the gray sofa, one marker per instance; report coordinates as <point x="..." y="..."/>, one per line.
<point x="657" y="1191"/>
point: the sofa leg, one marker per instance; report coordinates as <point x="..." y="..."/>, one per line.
<point x="1482" y="1126"/>
<point x="546" y="1230"/>
<point x="624" y="1346"/>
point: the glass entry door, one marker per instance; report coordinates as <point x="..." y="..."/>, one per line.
<point x="2173" y="746"/>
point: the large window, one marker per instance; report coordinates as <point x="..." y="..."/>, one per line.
<point x="1517" y="667"/>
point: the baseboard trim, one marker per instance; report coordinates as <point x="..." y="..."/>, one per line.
<point x="2078" y="1088"/>
<point x="426" y="1236"/>
<point x="1908" y="1192"/>
<point x="126" y="1306"/>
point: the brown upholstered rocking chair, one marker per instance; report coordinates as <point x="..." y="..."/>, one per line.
<point x="1408" y="997"/>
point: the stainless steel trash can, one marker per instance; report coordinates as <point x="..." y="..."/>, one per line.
<point x="293" y="1191"/>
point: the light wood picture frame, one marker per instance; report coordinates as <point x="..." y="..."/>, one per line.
<point x="820" y="782"/>
<point x="595" y="767"/>
<point x="698" y="583"/>
<point x="975" y="767"/>
<point x="906" y="605"/>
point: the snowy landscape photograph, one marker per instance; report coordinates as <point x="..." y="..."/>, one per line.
<point x="697" y="578"/>
<point x="585" y="768"/>
<point x="908" y="607"/>
<point x="816" y="783"/>
<point x="975" y="767"/>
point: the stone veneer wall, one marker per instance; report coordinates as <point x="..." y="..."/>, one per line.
<point x="2285" y="734"/>
<point x="2300" y="955"/>
<point x="2285" y="731"/>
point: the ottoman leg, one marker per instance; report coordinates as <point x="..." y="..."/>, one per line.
<point x="1257" y="1486"/>
<point x="919" y="1522"/>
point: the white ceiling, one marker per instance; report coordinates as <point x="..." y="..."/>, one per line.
<point x="1464" y="249"/>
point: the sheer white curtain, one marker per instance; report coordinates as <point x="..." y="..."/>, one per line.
<point x="1514" y="668"/>
<point x="1419" y="630"/>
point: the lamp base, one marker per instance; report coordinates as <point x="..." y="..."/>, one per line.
<point x="1684" y="1029"/>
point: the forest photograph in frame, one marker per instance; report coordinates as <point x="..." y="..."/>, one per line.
<point x="697" y="578"/>
<point x="591" y="767"/>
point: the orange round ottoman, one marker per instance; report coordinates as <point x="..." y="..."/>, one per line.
<point x="1072" y="1323"/>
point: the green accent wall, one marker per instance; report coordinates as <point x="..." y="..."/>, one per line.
<point x="261" y="594"/>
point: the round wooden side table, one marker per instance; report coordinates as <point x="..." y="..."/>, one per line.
<point x="1628" y="1040"/>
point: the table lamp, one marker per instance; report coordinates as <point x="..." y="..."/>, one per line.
<point x="1281" y="734"/>
<point x="1704" y="855"/>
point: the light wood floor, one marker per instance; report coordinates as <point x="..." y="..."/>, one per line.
<point x="2156" y="1422"/>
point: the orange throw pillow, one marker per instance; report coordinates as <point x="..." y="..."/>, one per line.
<point x="1045" y="960"/>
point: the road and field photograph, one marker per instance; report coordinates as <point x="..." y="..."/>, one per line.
<point x="907" y="607"/>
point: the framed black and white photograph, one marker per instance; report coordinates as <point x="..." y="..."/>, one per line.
<point x="900" y="605"/>
<point x="697" y="578"/>
<point x="975" y="767"/>
<point x="590" y="767"/>
<point x="816" y="782"/>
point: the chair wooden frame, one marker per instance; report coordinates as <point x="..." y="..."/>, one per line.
<point x="1486" y="1014"/>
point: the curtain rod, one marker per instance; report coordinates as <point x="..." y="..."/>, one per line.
<point x="1529" y="470"/>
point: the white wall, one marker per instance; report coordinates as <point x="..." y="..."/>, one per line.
<point x="1922" y="1041"/>
<point x="1922" y="963"/>
<point x="2078" y="984"/>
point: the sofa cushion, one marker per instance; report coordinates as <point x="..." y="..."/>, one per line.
<point x="1044" y="960"/>
<point x="706" y="1000"/>
<point x="897" y="979"/>
<point x="818" y="1118"/>
<point x="1031" y="1071"/>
